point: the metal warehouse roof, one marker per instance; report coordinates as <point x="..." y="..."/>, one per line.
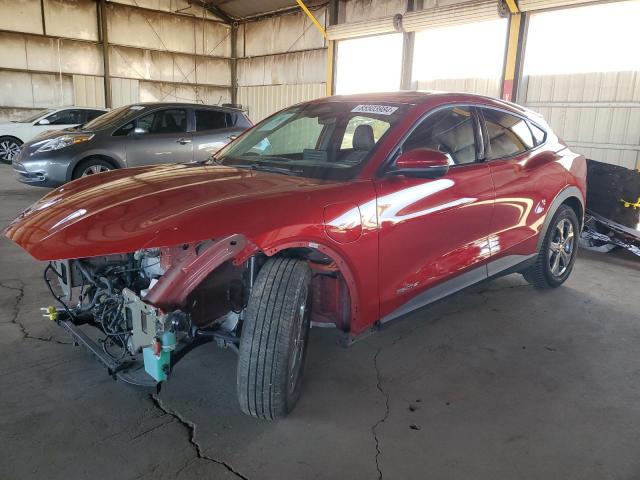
<point x="237" y="9"/>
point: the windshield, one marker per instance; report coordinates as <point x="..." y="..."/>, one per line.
<point x="114" y="117"/>
<point x="330" y="140"/>
<point x="34" y="117"/>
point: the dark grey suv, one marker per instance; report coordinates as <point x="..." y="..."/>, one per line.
<point x="130" y="136"/>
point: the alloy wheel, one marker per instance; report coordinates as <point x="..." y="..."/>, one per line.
<point x="561" y="247"/>
<point x="93" y="169"/>
<point x="9" y="149"/>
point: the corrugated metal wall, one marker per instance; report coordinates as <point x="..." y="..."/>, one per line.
<point x="596" y="113"/>
<point x="481" y="86"/>
<point x="265" y="100"/>
<point x="155" y="53"/>
<point x="283" y="62"/>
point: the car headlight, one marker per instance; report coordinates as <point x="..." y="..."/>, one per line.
<point x="62" y="142"/>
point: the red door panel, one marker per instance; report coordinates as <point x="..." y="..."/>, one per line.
<point x="431" y="230"/>
<point x="525" y="188"/>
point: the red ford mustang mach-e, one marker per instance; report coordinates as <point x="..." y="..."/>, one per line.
<point x="350" y="211"/>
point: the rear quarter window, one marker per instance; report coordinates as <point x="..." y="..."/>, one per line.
<point x="539" y="135"/>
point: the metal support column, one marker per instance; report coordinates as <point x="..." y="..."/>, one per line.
<point x="330" y="46"/>
<point x="408" y="41"/>
<point x="514" y="52"/>
<point x="104" y="39"/>
<point x="234" y="63"/>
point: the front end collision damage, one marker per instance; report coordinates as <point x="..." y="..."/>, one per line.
<point x="153" y="306"/>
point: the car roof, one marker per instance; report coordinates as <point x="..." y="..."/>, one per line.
<point x="76" y="108"/>
<point x="417" y="97"/>
<point x="183" y="104"/>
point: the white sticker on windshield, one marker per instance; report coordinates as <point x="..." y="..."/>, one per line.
<point x="379" y="109"/>
<point x="136" y="107"/>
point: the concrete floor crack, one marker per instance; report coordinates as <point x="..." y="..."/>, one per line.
<point x="374" y="429"/>
<point x="17" y="305"/>
<point x="191" y="429"/>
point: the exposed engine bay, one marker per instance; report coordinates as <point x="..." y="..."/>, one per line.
<point x="108" y="293"/>
<point x="148" y="315"/>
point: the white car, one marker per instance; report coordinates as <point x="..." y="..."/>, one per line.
<point x="16" y="132"/>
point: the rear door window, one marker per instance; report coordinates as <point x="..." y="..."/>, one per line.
<point x="508" y="135"/>
<point x="211" y="120"/>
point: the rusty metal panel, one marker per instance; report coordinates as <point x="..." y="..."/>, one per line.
<point x="31" y="90"/>
<point x="282" y="34"/>
<point x="596" y="113"/>
<point x="481" y="86"/>
<point x="20" y="16"/>
<point x="184" y="7"/>
<point x="31" y="52"/>
<point x="290" y="68"/>
<point x="129" y="62"/>
<point x="9" y="113"/>
<point x="262" y="101"/>
<point x="88" y="91"/>
<point x="124" y="91"/>
<point x="13" y="52"/>
<point x="71" y="18"/>
<point x="142" y="28"/>
<point x="357" y="10"/>
<point x="168" y="92"/>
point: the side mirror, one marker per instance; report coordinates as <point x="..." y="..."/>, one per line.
<point x="422" y="163"/>
<point x="44" y="121"/>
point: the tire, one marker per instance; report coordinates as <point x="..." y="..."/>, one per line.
<point x="91" y="166"/>
<point x="273" y="341"/>
<point x="557" y="254"/>
<point x="9" y="148"/>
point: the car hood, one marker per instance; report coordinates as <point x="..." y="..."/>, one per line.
<point x="126" y="210"/>
<point x="47" y="134"/>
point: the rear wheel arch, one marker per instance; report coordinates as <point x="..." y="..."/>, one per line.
<point x="13" y="137"/>
<point x="571" y="196"/>
<point x="576" y="205"/>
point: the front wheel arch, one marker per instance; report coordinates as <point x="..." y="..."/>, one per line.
<point x="73" y="173"/>
<point x="343" y="267"/>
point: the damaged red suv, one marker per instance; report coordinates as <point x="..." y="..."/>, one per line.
<point x="349" y="211"/>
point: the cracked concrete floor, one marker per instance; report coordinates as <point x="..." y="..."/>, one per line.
<point x="501" y="381"/>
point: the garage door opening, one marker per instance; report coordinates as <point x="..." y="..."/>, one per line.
<point x="369" y="64"/>
<point x="464" y="58"/>
<point x="581" y="72"/>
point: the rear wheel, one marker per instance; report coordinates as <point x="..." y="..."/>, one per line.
<point x="9" y="148"/>
<point x="91" y="166"/>
<point x="558" y="252"/>
<point x="274" y="339"/>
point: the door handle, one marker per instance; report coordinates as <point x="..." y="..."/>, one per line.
<point x="183" y="141"/>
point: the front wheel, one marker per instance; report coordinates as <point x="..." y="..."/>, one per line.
<point x="558" y="252"/>
<point x="91" y="166"/>
<point x="9" y="148"/>
<point x="274" y="339"/>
